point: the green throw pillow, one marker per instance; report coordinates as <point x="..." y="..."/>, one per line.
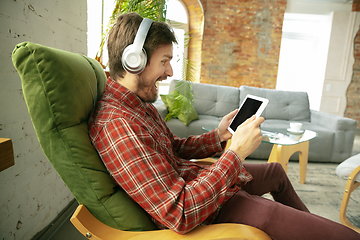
<point x="179" y="107"/>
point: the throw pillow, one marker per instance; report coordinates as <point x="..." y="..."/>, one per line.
<point x="179" y="107"/>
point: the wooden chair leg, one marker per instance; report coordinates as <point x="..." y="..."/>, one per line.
<point x="92" y="228"/>
<point x="351" y="185"/>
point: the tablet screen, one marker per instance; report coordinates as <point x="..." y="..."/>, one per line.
<point x="247" y="110"/>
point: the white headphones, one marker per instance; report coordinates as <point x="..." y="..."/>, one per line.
<point x="134" y="57"/>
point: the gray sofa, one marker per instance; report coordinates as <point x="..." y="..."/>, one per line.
<point x="336" y="134"/>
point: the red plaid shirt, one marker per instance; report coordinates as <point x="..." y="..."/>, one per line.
<point x="151" y="164"/>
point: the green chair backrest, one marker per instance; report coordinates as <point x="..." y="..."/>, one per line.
<point x="60" y="90"/>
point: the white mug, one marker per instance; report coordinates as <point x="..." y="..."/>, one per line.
<point x="295" y="126"/>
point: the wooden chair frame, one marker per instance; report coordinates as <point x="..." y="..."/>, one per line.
<point x="92" y="228"/>
<point x="351" y="185"/>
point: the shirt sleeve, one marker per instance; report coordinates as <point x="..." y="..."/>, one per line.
<point x="128" y="152"/>
<point x="199" y="146"/>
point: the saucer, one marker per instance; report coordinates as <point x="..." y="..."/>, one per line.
<point x="301" y="131"/>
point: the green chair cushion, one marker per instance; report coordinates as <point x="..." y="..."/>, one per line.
<point x="60" y="90"/>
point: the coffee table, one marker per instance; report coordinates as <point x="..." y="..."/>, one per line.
<point x="286" y="144"/>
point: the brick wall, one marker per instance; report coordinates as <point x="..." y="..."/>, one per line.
<point x="241" y="42"/>
<point x="356" y="6"/>
<point x="353" y="91"/>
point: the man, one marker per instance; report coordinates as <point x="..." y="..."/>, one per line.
<point x="151" y="164"/>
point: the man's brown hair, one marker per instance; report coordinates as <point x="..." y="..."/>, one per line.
<point x="123" y="34"/>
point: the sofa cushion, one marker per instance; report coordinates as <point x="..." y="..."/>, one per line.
<point x="213" y="100"/>
<point x="345" y="168"/>
<point x="283" y="105"/>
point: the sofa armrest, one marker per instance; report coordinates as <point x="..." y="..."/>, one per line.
<point x="161" y="107"/>
<point x="344" y="129"/>
<point x="332" y="121"/>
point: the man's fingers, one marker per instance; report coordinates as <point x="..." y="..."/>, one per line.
<point x="253" y="120"/>
<point x="259" y="121"/>
<point x="247" y="121"/>
<point x="232" y="114"/>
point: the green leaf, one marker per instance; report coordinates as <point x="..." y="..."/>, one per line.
<point x="153" y="9"/>
<point x="184" y="88"/>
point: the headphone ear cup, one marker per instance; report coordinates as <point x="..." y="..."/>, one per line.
<point x="134" y="56"/>
<point x="132" y="61"/>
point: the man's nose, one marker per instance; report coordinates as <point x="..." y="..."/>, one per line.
<point x="169" y="70"/>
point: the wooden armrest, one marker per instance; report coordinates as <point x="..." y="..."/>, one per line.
<point x="209" y="161"/>
<point x="204" y="161"/>
<point x="351" y="185"/>
<point x="92" y="228"/>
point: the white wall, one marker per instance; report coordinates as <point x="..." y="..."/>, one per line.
<point x="317" y="6"/>
<point x="339" y="68"/>
<point x="31" y="192"/>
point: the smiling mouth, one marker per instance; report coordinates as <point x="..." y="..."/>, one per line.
<point x="157" y="82"/>
<point x="156" y="85"/>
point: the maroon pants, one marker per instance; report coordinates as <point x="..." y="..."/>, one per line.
<point x="285" y="218"/>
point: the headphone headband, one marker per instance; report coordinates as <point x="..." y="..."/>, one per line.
<point x="141" y="34"/>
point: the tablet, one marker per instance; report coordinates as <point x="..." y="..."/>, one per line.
<point x="252" y="105"/>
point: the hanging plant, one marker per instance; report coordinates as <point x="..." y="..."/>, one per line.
<point x="153" y="9"/>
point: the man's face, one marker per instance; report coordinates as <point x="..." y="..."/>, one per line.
<point x="158" y="69"/>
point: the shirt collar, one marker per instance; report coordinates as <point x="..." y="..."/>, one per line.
<point x="124" y="95"/>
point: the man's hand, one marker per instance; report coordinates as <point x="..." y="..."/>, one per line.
<point x="247" y="137"/>
<point x="223" y="132"/>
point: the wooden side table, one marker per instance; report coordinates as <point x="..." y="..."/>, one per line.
<point x="282" y="154"/>
<point x="6" y="154"/>
<point x="286" y="145"/>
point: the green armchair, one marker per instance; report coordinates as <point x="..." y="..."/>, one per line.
<point x="60" y="90"/>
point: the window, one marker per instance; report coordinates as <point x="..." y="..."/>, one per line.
<point x="98" y="16"/>
<point x="99" y="13"/>
<point x="177" y="17"/>
<point x="303" y="55"/>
